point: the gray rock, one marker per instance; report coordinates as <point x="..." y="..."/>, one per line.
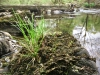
<point x="4" y="70"/>
<point x="7" y="45"/>
<point x="83" y="51"/>
<point x="4" y="47"/>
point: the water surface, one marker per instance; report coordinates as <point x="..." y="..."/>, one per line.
<point x="84" y="26"/>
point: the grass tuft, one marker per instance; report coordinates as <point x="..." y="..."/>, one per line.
<point x="33" y="36"/>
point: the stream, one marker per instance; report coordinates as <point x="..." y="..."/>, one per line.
<point x="84" y="26"/>
<point x="88" y="33"/>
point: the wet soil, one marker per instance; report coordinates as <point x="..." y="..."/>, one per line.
<point x="59" y="54"/>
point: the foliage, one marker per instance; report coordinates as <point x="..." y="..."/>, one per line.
<point x="32" y="35"/>
<point x="89" y="5"/>
<point x="57" y="1"/>
<point x="38" y="2"/>
<point x="25" y="2"/>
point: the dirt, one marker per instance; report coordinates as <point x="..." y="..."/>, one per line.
<point x="59" y="54"/>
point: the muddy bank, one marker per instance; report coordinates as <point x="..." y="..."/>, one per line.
<point x="59" y="54"/>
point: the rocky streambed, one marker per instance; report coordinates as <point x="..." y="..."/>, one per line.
<point x="59" y="54"/>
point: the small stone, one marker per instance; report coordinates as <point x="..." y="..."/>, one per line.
<point x="1" y="64"/>
<point x="7" y="59"/>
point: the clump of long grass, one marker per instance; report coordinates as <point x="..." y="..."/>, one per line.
<point x="33" y="36"/>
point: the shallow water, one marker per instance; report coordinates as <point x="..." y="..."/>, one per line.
<point x="87" y="31"/>
<point x="84" y="26"/>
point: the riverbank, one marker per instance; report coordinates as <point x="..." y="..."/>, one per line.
<point x="59" y="54"/>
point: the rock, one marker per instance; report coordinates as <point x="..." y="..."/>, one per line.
<point x="5" y="35"/>
<point x="88" y="63"/>
<point x="4" y="47"/>
<point x="3" y="70"/>
<point x="8" y="47"/>
<point x="83" y="52"/>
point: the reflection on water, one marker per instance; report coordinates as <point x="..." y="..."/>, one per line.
<point x="90" y="11"/>
<point x="88" y="40"/>
<point x="85" y="28"/>
<point x="87" y="32"/>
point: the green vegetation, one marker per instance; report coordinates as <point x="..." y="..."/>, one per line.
<point x="33" y="36"/>
<point x="89" y="5"/>
<point x="37" y="2"/>
<point x="49" y="2"/>
<point x="65" y="25"/>
<point x="92" y="21"/>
